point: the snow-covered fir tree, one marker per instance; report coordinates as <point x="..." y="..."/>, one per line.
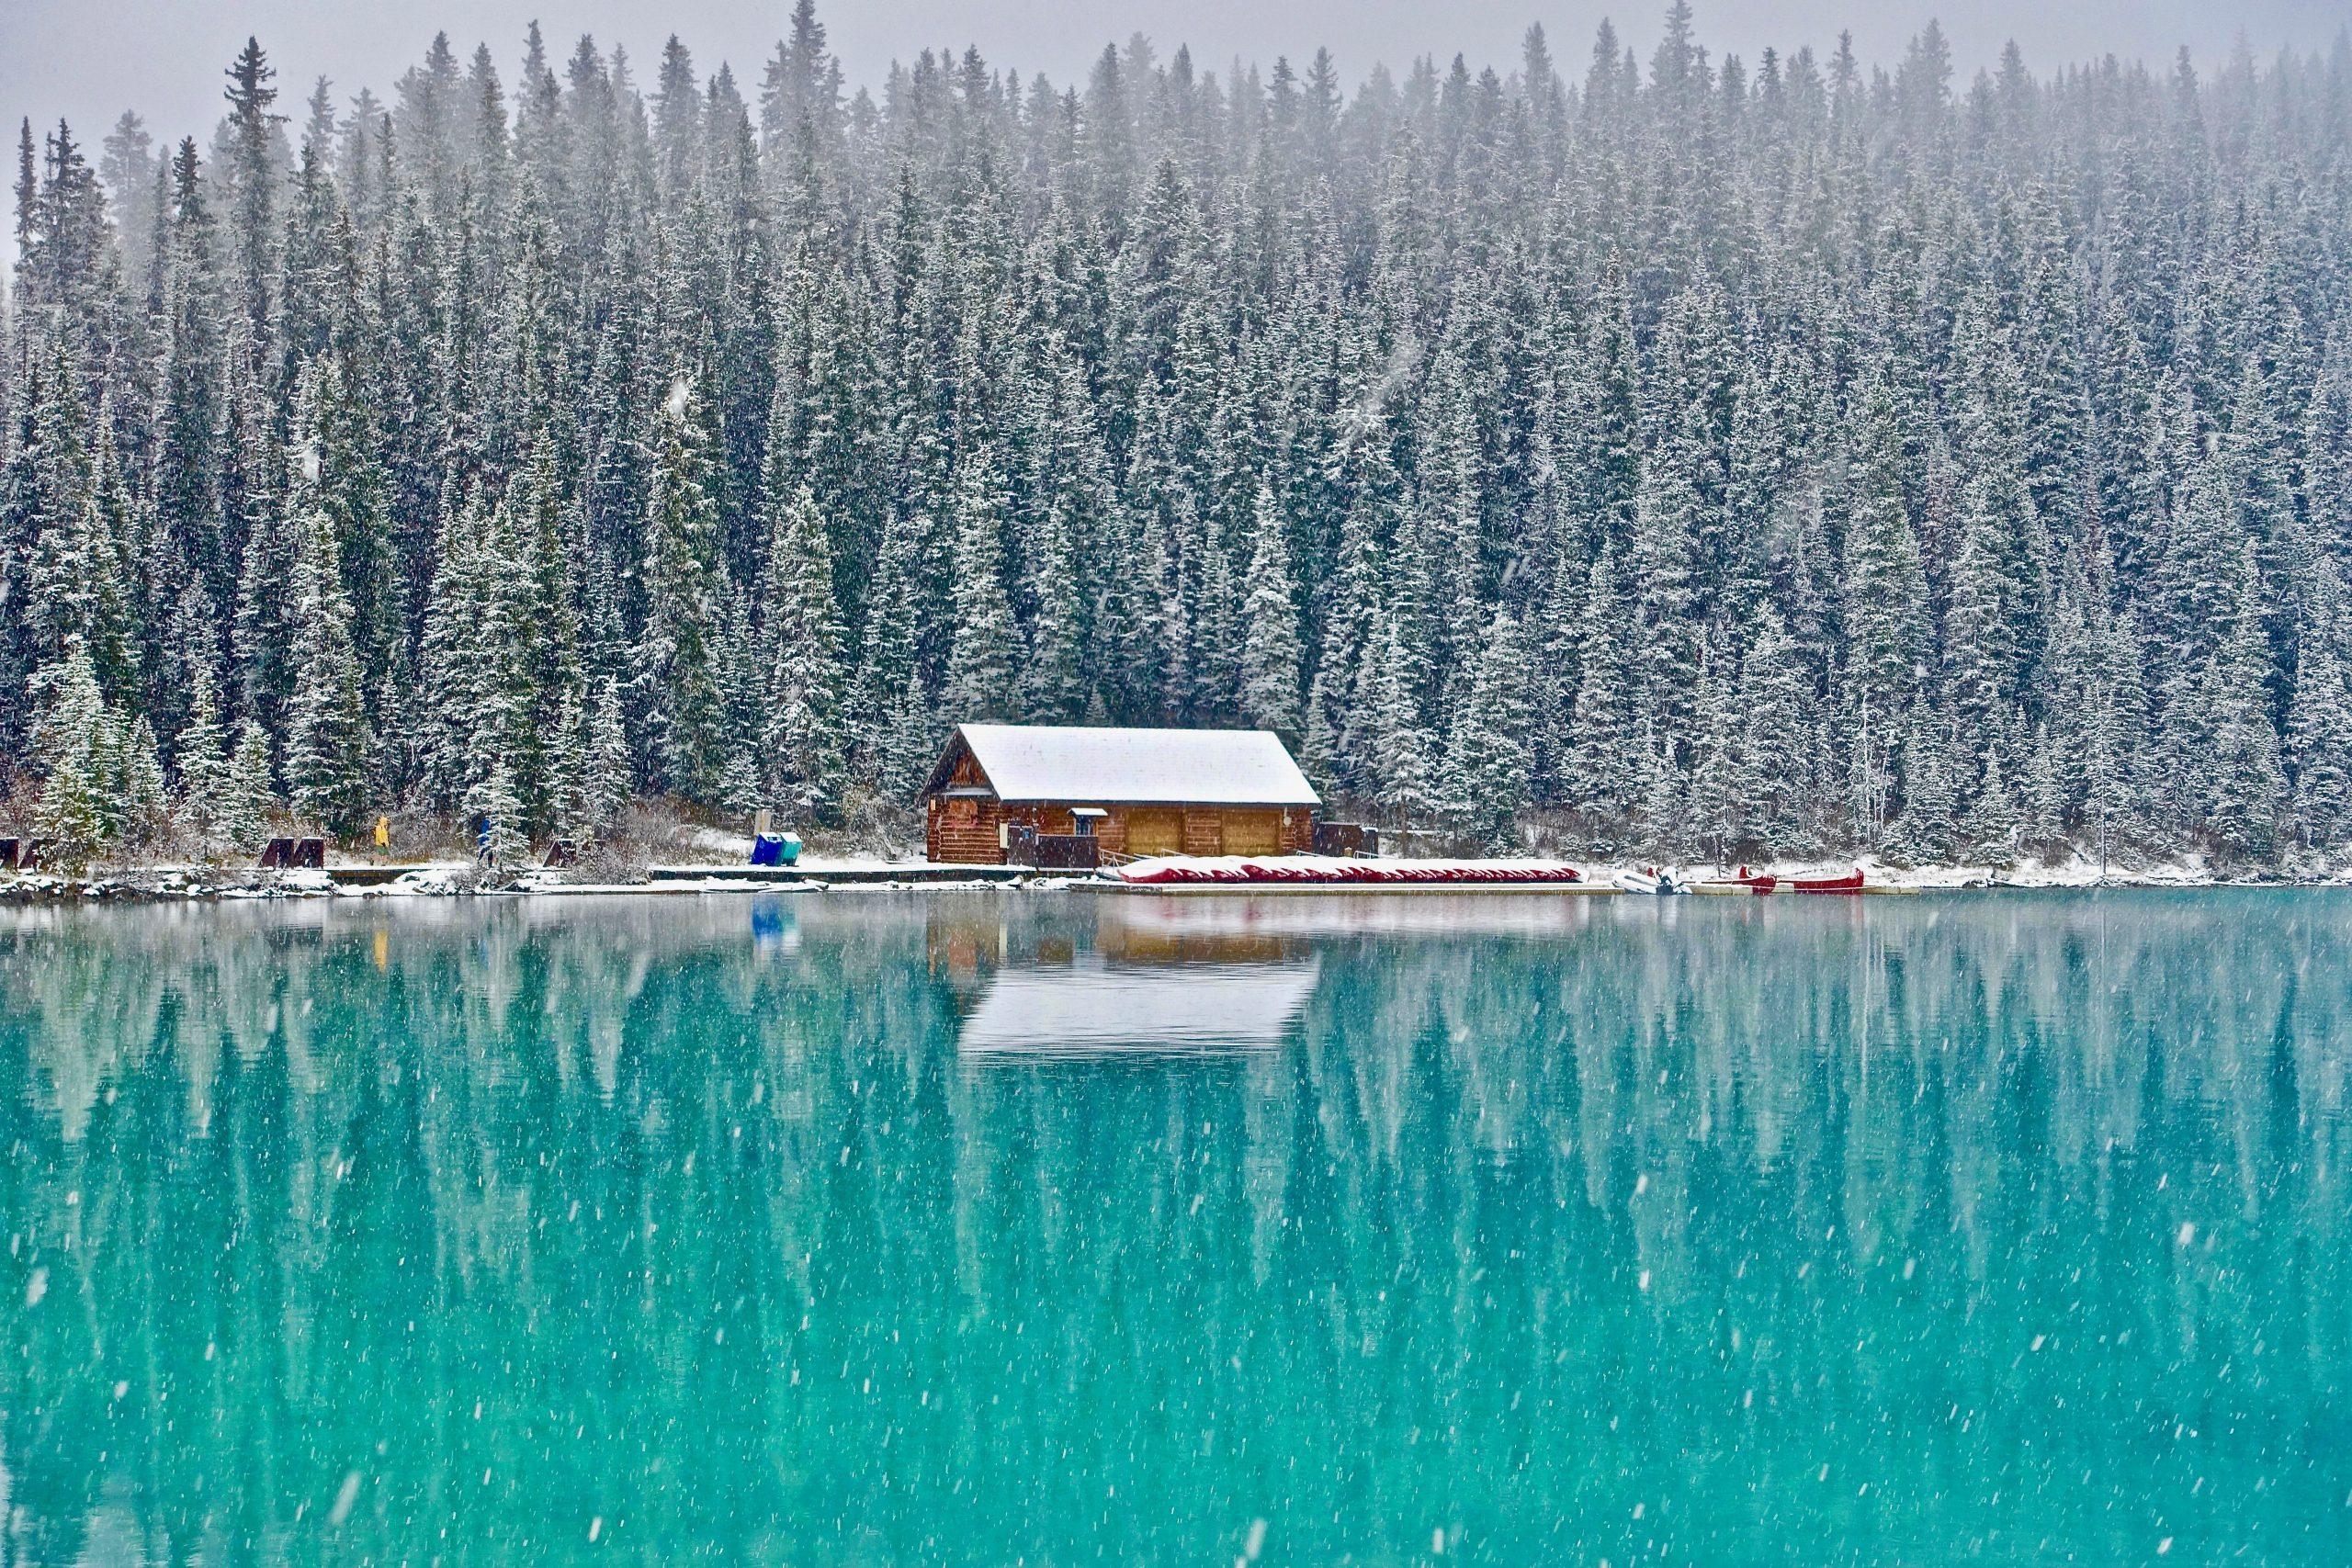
<point x="79" y="744"/>
<point x="1959" y="469"/>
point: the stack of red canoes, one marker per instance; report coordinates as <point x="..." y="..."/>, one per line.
<point x="1311" y="872"/>
<point x="1319" y="871"/>
<point x="1755" y="882"/>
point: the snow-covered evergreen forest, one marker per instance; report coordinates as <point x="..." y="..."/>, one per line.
<point x="1695" y="456"/>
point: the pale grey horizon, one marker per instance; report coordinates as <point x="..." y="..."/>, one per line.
<point x="163" y="59"/>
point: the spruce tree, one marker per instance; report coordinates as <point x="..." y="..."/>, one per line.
<point x="801" y="738"/>
<point x="1773" y="708"/>
<point x="145" y="809"/>
<point x="1923" y="832"/>
<point x="889" y="660"/>
<point x="1720" y="792"/>
<point x="248" y="793"/>
<point x="1884" y="593"/>
<point x="202" y="762"/>
<point x="604" y="781"/>
<point x="1990" y="826"/>
<point x="681" y="656"/>
<point x="74" y="736"/>
<point x="2114" y="738"/>
<point x="985" y="653"/>
<point x="1055" y="684"/>
<point x="2320" y="743"/>
<point x="1487" y="759"/>
<point x="326" y="740"/>
<point x="1475" y="338"/>
<point x="1270" y="650"/>
<point x="502" y="838"/>
<point x="1603" y="767"/>
<point x="2245" y="784"/>
<point x="1400" y="741"/>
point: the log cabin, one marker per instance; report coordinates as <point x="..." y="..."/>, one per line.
<point x="1139" y="792"/>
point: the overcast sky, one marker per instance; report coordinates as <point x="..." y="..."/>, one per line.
<point x="88" y="60"/>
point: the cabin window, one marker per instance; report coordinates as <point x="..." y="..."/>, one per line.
<point x="963" y="810"/>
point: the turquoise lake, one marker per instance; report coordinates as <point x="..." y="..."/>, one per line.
<point x="1045" y="1229"/>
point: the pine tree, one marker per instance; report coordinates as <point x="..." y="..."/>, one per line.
<point x="1055" y="679"/>
<point x="801" y="740"/>
<point x="604" y="780"/>
<point x="73" y="572"/>
<point x="1720" y="792"/>
<point x="2042" y="806"/>
<point x="681" y="656"/>
<point x="1885" y="586"/>
<point x="503" y="839"/>
<point x="146" y="801"/>
<point x="1992" y="826"/>
<point x="1337" y="749"/>
<point x="72" y="734"/>
<point x="2114" y="738"/>
<point x="1603" y="769"/>
<point x="1662" y="574"/>
<point x="248" y="794"/>
<point x="1788" y="344"/>
<point x="1400" y="739"/>
<point x="255" y="177"/>
<point x="326" y="740"/>
<point x="203" y="765"/>
<point x="889" y="668"/>
<point x="2245" y="784"/>
<point x="1270" y="650"/>
<point x="2320" y="742"/>
<point x="1923" y="832"/>
<point x="1775" y="718"/>
<point x="1662" y="821"/>
<point x="984" y="656"/>
<point x="743" y="678"/>
<point x="1487" y="761"/>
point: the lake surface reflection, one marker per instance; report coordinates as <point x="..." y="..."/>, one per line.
<point x="1041" y="1228"/>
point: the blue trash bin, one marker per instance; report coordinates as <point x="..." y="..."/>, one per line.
<point x="776" y="849"/>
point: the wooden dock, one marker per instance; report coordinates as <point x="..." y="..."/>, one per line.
<point x="1194" y="890"/>
<point x="937" y="876"/>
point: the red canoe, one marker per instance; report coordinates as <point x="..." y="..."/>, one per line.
<point x="1345" y="873"/>
<point x="1849" y="883"/>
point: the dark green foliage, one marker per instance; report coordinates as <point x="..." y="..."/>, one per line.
<point x="1717" y="461"/>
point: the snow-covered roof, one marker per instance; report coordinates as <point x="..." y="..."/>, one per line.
<point x="1134" y="767"/>
<point x="1094" y="1009"/>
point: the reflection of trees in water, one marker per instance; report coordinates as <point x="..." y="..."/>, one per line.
<point x="723" y="1243"/>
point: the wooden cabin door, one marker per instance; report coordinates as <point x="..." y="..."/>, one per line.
<point x="1155" y="830"/>
<point x="1253" y="832"/>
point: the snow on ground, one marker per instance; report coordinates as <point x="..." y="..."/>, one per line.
<point x="719" y="845"/>
<point x="729" y="853"/>
<point x="817" y="864"/>
<point x="2078" y="872"/>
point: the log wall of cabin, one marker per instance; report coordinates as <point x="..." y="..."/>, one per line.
<point x="968" y="830"/>
<point x="964" y="830"/>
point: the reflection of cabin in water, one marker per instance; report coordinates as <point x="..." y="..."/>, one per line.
<point x="1095" y="1007"/>
<point x="1137" y="792"/>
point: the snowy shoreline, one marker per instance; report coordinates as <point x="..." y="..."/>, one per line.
<point x="457" y="879"/>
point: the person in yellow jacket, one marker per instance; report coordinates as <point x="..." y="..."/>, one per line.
<point x="383" y="837"/>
